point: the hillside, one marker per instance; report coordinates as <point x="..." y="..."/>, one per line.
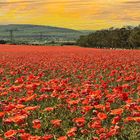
<point x="39" y="32"/>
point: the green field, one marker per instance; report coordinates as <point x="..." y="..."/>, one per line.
<point x="37" y="33"/>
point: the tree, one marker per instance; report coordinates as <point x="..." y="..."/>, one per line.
<point x="125" y="37"/>
<point x="134" y="38"/>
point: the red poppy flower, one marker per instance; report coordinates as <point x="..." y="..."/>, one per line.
<point x="20" y="106"/>
<point x="112" y="132"/>
<point x="128" y="119"/>
<point x="24" y="136"/>
<point x="56" y="122"/>
<point x="62" y="138"/>
<point x="2" y="114"/>
<point x="10" y="133"/>
<point x="80" y="121"/>
<point x="118" y="111"/>
<point x="72" y="131"/>
<point x="116" y="119"/>
<point x="18" y="118"/>
<point x="36" y="124"/>
<point x="34" y="138"/>
<point x="102" y="116"/>
<point x="96" y="124"/>
<point x="100" y="106"/>
<point x="47" y="137"/>
<point x="87" y="108"/>
<point x="31" y="108"/>
<point x="85" y="131"/>
<point x="30" y="98"/>
<point x="49" y="109"/>
<point x="95" y="138"/>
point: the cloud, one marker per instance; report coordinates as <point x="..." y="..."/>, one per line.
<point x="89" y="14"/>
<point x="15" y="2"/>
<point x="132" y="2"/>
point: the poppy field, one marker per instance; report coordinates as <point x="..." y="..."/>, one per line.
<point x="69" y="93"/>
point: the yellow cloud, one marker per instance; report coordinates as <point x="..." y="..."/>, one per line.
<point x="78" y="14"/>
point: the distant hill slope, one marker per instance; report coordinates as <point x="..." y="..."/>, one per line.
<point x="31" y="28"/>
<point x="36" y="32"/>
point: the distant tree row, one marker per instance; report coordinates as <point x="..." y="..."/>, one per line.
<point x="127" y="37"/>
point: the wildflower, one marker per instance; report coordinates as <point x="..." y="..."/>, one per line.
<point x="47" y="137"/>
<point x="102" y="116"/>
<point x="128" y="119"/>
<point x="10" y="133"/>
<point x="62" y="138"/>
<point x="116" y="119"/>
<point x="34" y="138"/>
<point x="118" y="111"/>
<point x="79" y="121"/>
<point x="2" y="114"/>
<point x="96" y="124"/>
<point x="31" y="108"/>
<point x="72" y="132"/>
<point x="30" y="98"/>
<point x="56" y="122"/>
<point x="36" y="124"/>
<point x="49" y="109"/>
<point x="24" y="136"/>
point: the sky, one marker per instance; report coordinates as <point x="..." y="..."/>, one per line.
<point x="75" y="14"/>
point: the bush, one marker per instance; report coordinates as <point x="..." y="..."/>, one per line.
<point x="3" y="42"/>
<point x="68" y="43"/>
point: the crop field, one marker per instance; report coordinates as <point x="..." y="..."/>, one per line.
<point x="69" y="93"/>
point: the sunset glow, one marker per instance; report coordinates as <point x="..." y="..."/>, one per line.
<point x="76" y="14"/>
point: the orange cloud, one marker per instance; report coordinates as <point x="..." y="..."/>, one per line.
<point x="77" y="14"/>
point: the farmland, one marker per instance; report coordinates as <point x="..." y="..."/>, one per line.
<point x="69" y="93"/>
<point x="37" y="34"/>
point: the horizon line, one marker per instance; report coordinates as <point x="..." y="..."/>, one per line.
<point x="6" y="24"/>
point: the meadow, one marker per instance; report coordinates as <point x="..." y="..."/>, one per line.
<point x="69" y="93"/>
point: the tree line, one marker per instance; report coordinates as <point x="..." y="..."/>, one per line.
<point x="126" y="37"/>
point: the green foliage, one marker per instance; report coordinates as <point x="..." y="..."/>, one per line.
<point x="68" y="43"/>
<point x="127" y="37"/>
<point x="3" y="42"/>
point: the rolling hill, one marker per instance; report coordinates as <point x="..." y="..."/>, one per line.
<point x="39" y="32"/>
